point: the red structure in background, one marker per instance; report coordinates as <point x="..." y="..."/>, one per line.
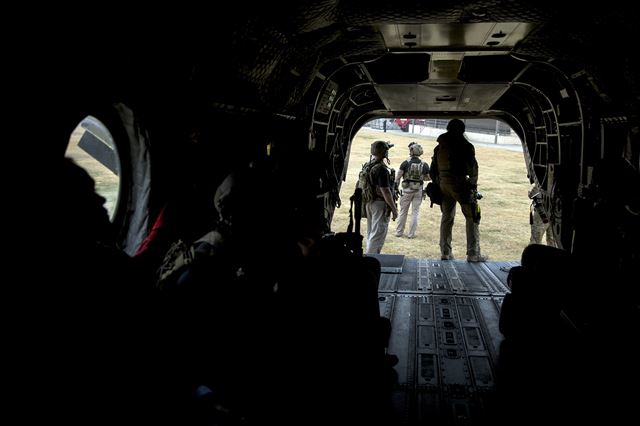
<point x="403" y="123"/>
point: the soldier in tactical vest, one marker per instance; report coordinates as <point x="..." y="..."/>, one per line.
<point x="382" y="202"/>
<point x="540" y="224"/>
<point x="455" y="169"/>
<point x="414" y="172"/>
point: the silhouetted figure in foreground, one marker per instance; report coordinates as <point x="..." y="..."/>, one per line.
<point x="94" y="362"/>
<point x="551" y="321"/>
<point x="258" y="339"/>
<point x="535" y="372"/>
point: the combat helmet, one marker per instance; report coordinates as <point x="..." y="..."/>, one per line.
<point x="380" y="148"/>
<point x="415" y="149"/>
<point x="456" y="126"/>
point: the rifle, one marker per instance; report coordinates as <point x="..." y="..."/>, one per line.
<point x="475" y="196"/>
<point x="395" y="190"/>
<point x="536" y="202"/>
<point x="355" y="215"/>
<point x="349" y="242"/>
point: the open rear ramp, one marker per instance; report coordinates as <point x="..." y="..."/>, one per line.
<point x="444" y="317"/>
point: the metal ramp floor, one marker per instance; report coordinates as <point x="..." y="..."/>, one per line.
<point x="444" y="317"/>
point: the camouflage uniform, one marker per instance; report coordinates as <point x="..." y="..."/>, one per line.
<point x="538" y="227"/>
<point x="413" y="173"/>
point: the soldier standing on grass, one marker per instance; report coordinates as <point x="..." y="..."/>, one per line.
<point x="415" y="172"/>
<point x="540" y="224"/>
<point x="455" y="169"/>
<point x="382" y="202"/>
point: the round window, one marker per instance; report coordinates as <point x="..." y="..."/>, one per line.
<point x="92" y="147"/>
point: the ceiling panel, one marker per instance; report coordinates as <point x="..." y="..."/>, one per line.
<point x="454" y="36"/>
<point x="440" y="97"/>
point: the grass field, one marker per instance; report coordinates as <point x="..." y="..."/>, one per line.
<point x="504" y="228"/>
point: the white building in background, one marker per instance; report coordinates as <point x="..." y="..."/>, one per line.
<point x="477" y="130"/>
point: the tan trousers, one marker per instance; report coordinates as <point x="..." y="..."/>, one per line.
<point x="413" y="199"/>
<point x="539" y="228"/>
<point x="377" y="225"/>
<point x="457" y="190"/>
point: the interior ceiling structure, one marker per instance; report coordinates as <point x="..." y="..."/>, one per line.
<point x="448" y="45"/>
<point x="440" y="97"/>
<point x="483" y="37"/>
<point x="266" y="56"/>
<point x="276" y="52"/>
